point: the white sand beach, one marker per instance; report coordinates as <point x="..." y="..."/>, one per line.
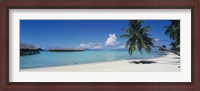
<point x="166" y="63"/>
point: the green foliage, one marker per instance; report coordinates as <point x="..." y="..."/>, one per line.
<point x="173" y="31"/>
<point x="138" y="37"/>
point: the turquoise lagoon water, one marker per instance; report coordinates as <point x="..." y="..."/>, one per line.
<point x="49" y="59"/>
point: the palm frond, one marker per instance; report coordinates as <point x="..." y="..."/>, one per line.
<point x="145" y="30"/>
<point x="138" y="37"/>
<point x="131" y="48"/>
<point x="128" y="42"/>
<point x="125" y="36"/>
<point x="139" y="46"/>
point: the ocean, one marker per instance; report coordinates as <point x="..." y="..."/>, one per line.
<point x="50" y="59"/>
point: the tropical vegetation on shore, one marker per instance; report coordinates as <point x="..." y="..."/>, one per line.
<point x="173" y="31"/>
<point x="138" y="37"/>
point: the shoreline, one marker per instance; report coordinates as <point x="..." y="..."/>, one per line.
<point x="167" y="63"/>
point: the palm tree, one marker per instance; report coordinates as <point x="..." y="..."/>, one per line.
<point x="173" y="31"/>
<point x="138" y="37"/>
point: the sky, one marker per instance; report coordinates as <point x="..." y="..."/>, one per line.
<point x="87" y="34"/>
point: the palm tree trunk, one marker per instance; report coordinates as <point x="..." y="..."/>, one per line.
<point x="165" y="49"/>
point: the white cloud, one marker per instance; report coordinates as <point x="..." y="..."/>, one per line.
<point x="121" y="47"/>
<point x="82" y="45"/>
<point x="91" y="46"/>
<point x="112" y="40"/>
<point x="156" y="39"/>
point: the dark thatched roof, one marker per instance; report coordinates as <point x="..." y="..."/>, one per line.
<point x="27" y="46"/>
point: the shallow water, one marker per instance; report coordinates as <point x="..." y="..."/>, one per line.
<point x="49" y="59"/>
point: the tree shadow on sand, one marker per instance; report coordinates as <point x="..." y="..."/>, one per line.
<point x="176" y="57"/>
<point x="142" y="62"/>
